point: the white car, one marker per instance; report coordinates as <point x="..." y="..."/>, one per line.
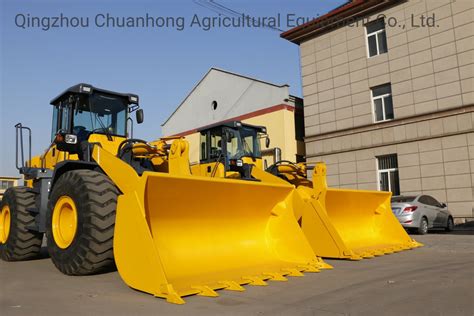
<point x="422" y="212"/>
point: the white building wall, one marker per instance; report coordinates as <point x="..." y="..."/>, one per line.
<point x="235" y="95"/>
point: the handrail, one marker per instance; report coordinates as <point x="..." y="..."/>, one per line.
<point x="19" y="128"/>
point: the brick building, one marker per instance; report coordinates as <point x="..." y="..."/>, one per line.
<point x="389" y="97"/>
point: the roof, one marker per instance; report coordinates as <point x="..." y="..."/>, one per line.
<point x="9" y="178"/>
<point x="233" y="124"/>
<point x="78" y="88"/>
<point x="223" y="71"/>
<point x="349" y="12"/>
<point x="240" y="118"/>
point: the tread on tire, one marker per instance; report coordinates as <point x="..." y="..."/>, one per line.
<point x="91" y="250"/>
<point x="22" y="243"/>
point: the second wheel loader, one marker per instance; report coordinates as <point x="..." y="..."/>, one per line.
<point x="338" y="223"/>
<point x="104" y="199"/>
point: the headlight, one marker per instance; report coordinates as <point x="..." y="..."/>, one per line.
<point x="239" y="163"/>
<point x="86" y="89"/>
<point x="133" y="99"/>
<point x="70" y="139"/>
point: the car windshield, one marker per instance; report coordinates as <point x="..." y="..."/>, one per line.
<point x="244" y="144"/>
<point x="100" y="113"/>
<point x="403" y="199"/>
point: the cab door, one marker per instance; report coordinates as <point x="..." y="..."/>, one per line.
<point x="61" y="122"/>
<point x="212" y="162"/>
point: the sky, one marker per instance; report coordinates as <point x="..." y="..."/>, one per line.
<point x="160" y="64"/>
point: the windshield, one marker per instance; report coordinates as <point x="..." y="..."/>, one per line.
<point x="100" y="113"/>
<point x="245" y="143"/>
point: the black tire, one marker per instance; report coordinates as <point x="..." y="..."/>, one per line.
<point x="95" y="197"/>
<point x="450" y="225"/>
<point x="423" y="228"/>
<point x="22" y="243"/>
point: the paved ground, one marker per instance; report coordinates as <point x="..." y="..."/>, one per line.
<point x="434" y="280"/>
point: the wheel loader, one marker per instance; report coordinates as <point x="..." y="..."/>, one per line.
<point x="338" y="223"/>
<point x="104" y="199"/>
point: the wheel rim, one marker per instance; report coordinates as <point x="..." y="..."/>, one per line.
<point x="64" y="222"/>
<point x="425" y="226"/>
<point x="5" y="220"/>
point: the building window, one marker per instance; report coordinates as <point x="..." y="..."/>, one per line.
<point x="388" y="174"/>
<point x="376" y="38"/>
<point x="5" y="184"/>
<point x="382" y="103"/>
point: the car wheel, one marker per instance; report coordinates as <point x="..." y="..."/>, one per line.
<point x="423" y="228"/>
<point x="450" y="225"/>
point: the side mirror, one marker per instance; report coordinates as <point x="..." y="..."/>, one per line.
<point x="267" y="142"/>
<point x="140" y="116"/>
<point x="443" y="205"/>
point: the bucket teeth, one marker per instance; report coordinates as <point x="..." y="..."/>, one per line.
<point x="366" y="255"/>
<point x="253" y="280"/>
<point x="293" y="272"/>
<point x="325" y="265"/>
<point x="171" y="295"/>
<point x="205" y="291"/>
<point x="175" y="299"/>
<point x="320" y="264"/>
<point x="387" y="251"/>
<point x="310" y="268"/>
<point x="274" y="276"/>
<point x="378" y="253"/>
<point x="232" y="286"/>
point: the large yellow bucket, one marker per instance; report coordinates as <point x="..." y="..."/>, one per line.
<point x="177" y="235"/>
<point x="348" y="224"/>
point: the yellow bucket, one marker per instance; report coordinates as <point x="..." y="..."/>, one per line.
<point x="177" y="235"/>
<point x="350" y="224"/>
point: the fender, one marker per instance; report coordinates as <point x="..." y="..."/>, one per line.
<point x="69" y="165"/>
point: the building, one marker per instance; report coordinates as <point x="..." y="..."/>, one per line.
<point x="389" y="101"/>
<point x="7" y="182"/>
<point x="225" y="96"/>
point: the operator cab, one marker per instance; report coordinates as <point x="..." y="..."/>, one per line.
<point x="84" y="110"/>
<point x="234" y="144"/>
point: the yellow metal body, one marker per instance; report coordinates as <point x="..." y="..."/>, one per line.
<point x="52" y="156"/>
<point x="347" y="224"/>
<point x="178" y="234"/>
<point x="64" y="222"/>
<point x="217" y="170"/>
<point x="5" y="220"/>
<point x="338" y="223"/>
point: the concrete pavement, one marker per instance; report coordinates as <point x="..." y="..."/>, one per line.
<point x="434" y="280"/>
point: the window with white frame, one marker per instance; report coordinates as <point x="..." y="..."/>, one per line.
<point x="388" y="174"/>
<point x="382" y="103"/>
<point x="376" y="38"/>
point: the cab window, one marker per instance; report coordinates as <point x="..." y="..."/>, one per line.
<point x="203" y="142"/>
<point x="64" y="115"/>
<point x="54" y="127"/>
<point x="216" y="145"/>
